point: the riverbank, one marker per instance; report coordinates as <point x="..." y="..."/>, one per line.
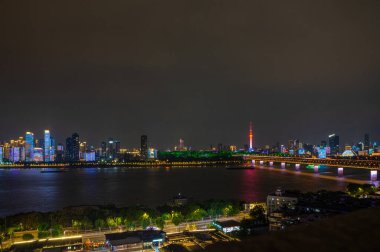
<point x="155" y="163"/>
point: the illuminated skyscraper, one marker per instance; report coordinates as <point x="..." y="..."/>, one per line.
<point x="29" y="146"/>
<point x="38" y="155"/>
<point x="144" y="147"/>
<point x="366" y="142"/>
<point x="75" y="146"/>
<point x="250" y="137"/>
<point x="334" y="144"/>
<point x="15" y="154"/>
<point x="47" y="146"/>
<point x="72" y="148"/>
<point x="52" y="149"/>
<point x="69" y="149"/>
<point x="60" y="152"/>
<point x="1" y="154"/>
<point x="181" y="144"/>
<point x="82" y="150"/>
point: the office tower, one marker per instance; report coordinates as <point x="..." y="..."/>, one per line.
<point x="90" y="156"/>
<point x="366" y="142"/>
<point x="103" y="148"/>
<point x="144" y="147"/>
<point x="38" y="155"/>
<point x="334" y="144"/>
<point x="47" y="146"/>
<point x="15" y="154"/>
<point x="1" y="154"/>
<point x="117" y="148"/>
<point x="60" y="153"/>
<point x="29" y="146"/>
<point x="110" y="149"/>
<point x="52" y="149"/>
<point x="69" y="149"/>
<point x="220" y="147"/>
<point x="291" y="144"/>
<point x="82" y="150"/>
<point x="75" y="147"/>
<point x="181" y="144"/>
<point x="323" y="143"/>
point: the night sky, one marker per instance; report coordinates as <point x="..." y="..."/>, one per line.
<point x="198" y="70"/>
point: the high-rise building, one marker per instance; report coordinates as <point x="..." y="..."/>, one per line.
<point x="60" y="153"/>
<point x="111" y="149"/>
<point x="323" y="143"/>
<point x="38" y="155"/>
<point x="1" y="154"/>
<point x="181" y="144"/>
<point x="69" y="149"/>
<point x="29" y="146"/>
<point x="117" y="149"/>
<point x="82" y="150"/>
<point x="334" y="144"/>
<point x="52" y="149"/>
<point x="366" y="142"/>
<point x="47" y="146"/>
<point x="144" y="147"/>
<point x="15" y="154"/>
<point x="103" y="150"/>
<point x="75" y="147"/>
<point x="72" y="148"/>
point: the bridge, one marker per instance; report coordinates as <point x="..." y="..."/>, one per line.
<point x="372" y="165"/>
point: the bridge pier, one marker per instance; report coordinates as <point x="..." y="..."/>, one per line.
<point x="283" y="165"/>
<point x="316" y="167"/>
<point x="373" y="175"/>
<point x="340" y="171"/>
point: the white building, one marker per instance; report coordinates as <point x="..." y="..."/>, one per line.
<point x="279" y="200"/>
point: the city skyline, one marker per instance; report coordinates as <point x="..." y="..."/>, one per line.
<point x="202" y="125"/>
<point x="293" y="74"/>
<point x="366" y="139"/>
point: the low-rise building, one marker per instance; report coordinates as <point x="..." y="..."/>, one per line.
<point x="227" y="226"/>
<point x="135" y="240"/>
<point x="281" y="200"/>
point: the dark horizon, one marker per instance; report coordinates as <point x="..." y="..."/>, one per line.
<point x="197" y="70"/>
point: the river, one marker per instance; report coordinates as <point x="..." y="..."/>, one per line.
<point x="23" y="190"/>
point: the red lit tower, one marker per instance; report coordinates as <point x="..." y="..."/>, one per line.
<point x="250" y="137"/>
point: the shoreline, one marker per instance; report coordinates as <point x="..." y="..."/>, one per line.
<point x="124" y="164"/>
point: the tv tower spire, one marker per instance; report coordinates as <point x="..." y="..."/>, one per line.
<point x="250" y="137"/>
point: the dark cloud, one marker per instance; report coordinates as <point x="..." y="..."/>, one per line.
<point x="200" y="70"/>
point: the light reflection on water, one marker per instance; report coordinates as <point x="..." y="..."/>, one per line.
<point x="23" y="190"/>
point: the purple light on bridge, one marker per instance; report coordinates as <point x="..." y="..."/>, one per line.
<point x="340" y="171"/>
<point x="271" y="163"/>
<point x="298" y="166"/>
<point x="316" y="167"/>
<point x="373" y="175"/>
<point x="261" y="162"/>
<point x="282" y="165"/>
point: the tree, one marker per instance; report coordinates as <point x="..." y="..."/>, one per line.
<point x="56" y="230"/>
<point x="258" y="213"/>
<point x="160" y="222"/>
<point x="356" y="190"/>
<point x="27" y="237"/>
<point x="177" y="218"/>
<point x="111" y="222"/>
<point x="100" y="223"/>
